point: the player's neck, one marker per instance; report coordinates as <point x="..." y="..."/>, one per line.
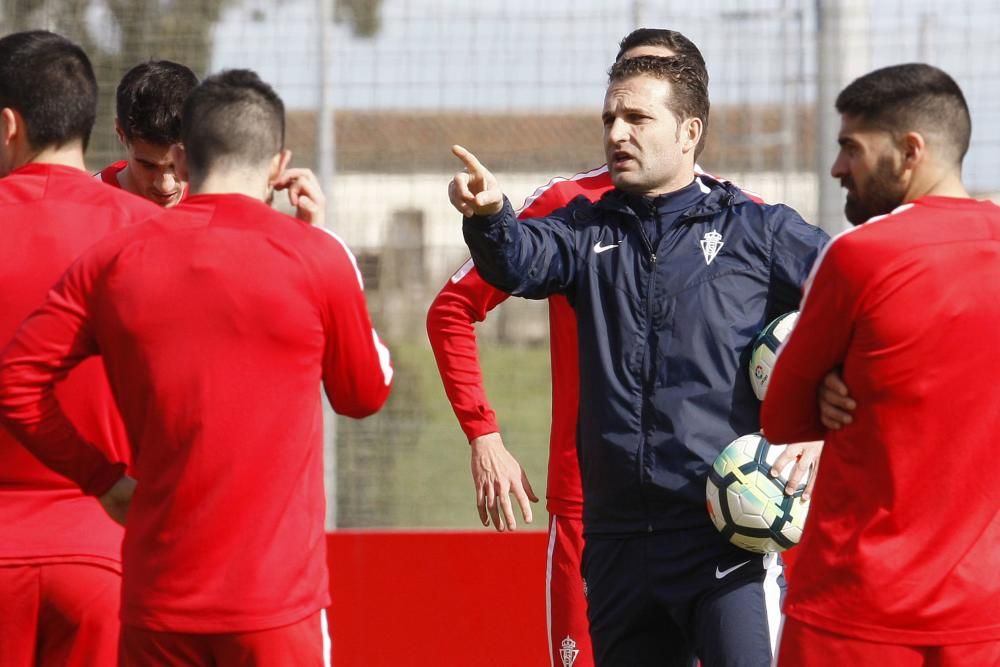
<point x="124" y="178"/>
<point x="947" y="183"/>
<point x="253" y="185"/>
<point x="69" y="155"/>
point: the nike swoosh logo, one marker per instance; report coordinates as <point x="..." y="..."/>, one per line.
<point x="719" y="574"/>
<point x="598" y="248"/>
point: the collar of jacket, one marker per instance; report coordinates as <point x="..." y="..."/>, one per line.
<point x="721" y="195"/>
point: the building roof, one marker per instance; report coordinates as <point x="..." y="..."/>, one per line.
<point x="740" y="139"/>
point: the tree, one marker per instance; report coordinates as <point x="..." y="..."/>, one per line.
<point x="117" y="34"/>
<point x="363" y="15"/>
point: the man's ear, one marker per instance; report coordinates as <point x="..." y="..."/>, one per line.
<point x="912" y="148"/>
<point x="691" y="133"/>
<point x="11" y="125"/>
<point x="279" y="163"/>
<point x="121" y="134"/>
<point x="179" y="157"/>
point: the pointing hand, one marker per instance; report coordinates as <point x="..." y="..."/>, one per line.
<point x="474" y="190"/>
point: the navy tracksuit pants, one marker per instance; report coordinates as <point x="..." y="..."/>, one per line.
<point x="666" y="599"/>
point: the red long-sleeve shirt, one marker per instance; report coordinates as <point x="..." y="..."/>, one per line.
<point x="217" y="322"/>
<point x="110" y="173"/>
<point x="902" y="543"/>
<point x="466" y="299"/>
<point x="49" y="215"/>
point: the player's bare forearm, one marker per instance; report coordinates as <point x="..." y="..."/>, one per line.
<point x="496" y="474"/>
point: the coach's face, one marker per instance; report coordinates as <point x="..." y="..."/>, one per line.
<point x="870" y="166"/>
<point x="648" y="152"/>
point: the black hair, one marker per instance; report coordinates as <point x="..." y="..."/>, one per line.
<point x="232" y="117"/>
<point x="668" y="39"/>
<point x="149" y="100"/>
<point x="49" y="81"/>
<point x="914" y="97"/>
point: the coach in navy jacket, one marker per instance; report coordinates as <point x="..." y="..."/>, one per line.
<point x="664" y="331"/>
<point x="671" y="277"/>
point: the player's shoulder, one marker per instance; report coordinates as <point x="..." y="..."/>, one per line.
<point x="561" y="190"/>
<point x="76" y="193"/>
<point x="331" y="254"/>
<point x="132" y="208"/>
<point x="877" y="230"/>
<point x="861" y="249"/>
<point x="109" y="174"/>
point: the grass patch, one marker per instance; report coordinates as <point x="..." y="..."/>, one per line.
<point x="408" y="466"/>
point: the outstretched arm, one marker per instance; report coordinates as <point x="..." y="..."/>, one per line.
<point x="533" y="259"/>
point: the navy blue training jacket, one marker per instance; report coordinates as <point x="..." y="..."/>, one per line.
<point x="664" y="333"/>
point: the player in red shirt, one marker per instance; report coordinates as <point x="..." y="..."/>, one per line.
<point x="216" y="321"/>
<point x="59" y="552"/>
<point x="899" y="558"/>
<point x="148" y="122"/>
<point x="465" y="300"/>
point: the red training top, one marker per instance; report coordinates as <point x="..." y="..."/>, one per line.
<point x="902" y="543"/>
<point x="217" y="322"/>
<point x="50" y="214"/>
<point x="466" y="299"/>
<point x="110" y="173"/>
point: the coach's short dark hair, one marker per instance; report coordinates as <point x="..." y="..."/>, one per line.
<point x="688" y="88"/>
<point x="149" y="101"/>
<point x="232" y="118"/>
<point x="49" y="81"/>
<point x="911" y="98"/>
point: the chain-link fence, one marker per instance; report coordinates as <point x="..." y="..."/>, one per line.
<point x="395" y="82"/>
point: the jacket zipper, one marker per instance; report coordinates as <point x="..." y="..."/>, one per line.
<point x="641" y="454"/>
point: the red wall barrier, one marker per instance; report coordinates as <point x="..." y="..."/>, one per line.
<point x="442" y="599"/>
<point x="438" y="599"/>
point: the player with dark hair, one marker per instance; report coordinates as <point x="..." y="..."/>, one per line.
<point x="898" y="562"/>
<point x="216" y="320"/>
<point x="148" y="122"/>
<point x="59" y="552"/>
<point x="671" y="274"/>
<point x="465" y="300"/>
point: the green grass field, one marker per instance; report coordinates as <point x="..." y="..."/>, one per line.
<point x="408" y="466"/>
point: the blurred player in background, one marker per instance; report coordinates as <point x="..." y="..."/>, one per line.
<point x="148" y="106"/>
<point x="671" y="274"/>
<point x="900" y="557"/>
<point x="467" y="299"/>
<point x="216" y="321"/>
<point x="59" y="551"/>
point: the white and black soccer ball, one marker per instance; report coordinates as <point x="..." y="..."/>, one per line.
<point x="747" y="505"/>
<point x="764" y="350"/>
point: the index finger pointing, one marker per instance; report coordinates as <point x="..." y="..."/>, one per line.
<point x="470" y="160"/>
